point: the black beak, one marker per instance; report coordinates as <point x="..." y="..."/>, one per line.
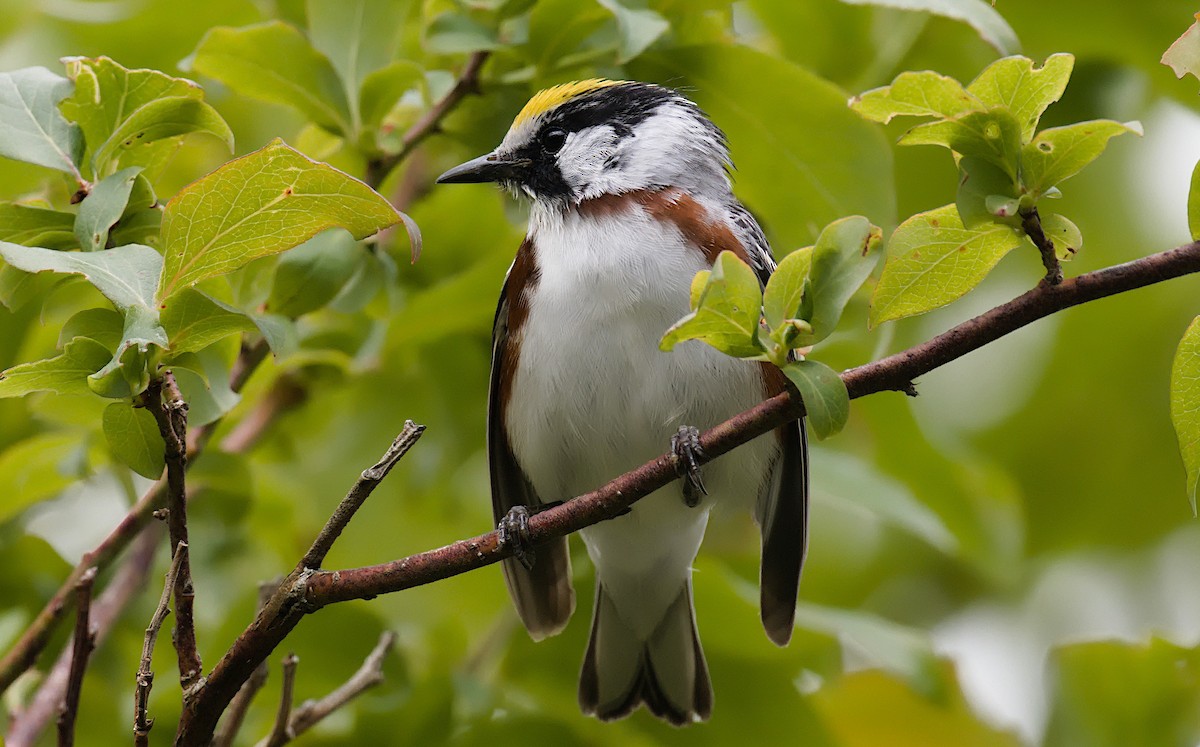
<point x="489" y="168"/>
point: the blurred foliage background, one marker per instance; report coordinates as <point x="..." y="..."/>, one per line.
<point x="1008" y="559"/>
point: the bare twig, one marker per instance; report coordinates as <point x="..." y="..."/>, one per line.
<point x="142" y="723"/>
<point x="1031" y="223"/>
<point x="81" y="649"/>
<point x="362" y="489"/>
<point x="281" y="733"/>
<point x="311" y="712"/>
<point x="306" y="590"/>
<point x="467" y="82"/>
<point x="231" y="722"/>
<point x="25" y="727"/>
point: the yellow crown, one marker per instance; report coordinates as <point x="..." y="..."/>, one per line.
<point x="544" y="101"/>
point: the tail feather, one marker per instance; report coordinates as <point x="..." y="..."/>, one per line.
<point x="667" y="673"/>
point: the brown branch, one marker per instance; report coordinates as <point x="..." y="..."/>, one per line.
<point x="81" y="649"/>
<point x="305" y="590"/>
<point x="165" y="402"/>
<point x="130" y="579"/>
<point x="142" y="723"/>
<point x="312" y="712"/>
<point x="467" y="82"/>
<point x="1031" y="223"/>
<point x="281" y="733"/>
<point x="231" y="723"/>
<point x="359" y="492"/>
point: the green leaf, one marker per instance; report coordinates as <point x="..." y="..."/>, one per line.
<point x="785" y="290"/>
<point x="114" y="105"/>
<point x="134" y="439"/>
<point x="358" y="37"/>
<point x="261" y="204"/>
<point x="382" y="89"/>
<point x="18" y="288"/>
<point x="105" y="326"/>
<point x="64" y="374"/>
<point x="31" y="127"/>
<point x="638" y="28"/>
<point x="913" y="94"/>
<point x="310" y="275"/>
<point x="279" y="332"/>
<point x="125" y="275"/>
<point x="1065" y="235"/>
<point x="103" y="207"/>
<point x="1183" y="56"/>
<point x="35" y="226"/>
<point x="137" y="227"/>
<point x="557" y="28"/>
<point x="986" y="194"/>
<point x="1014" y="83"/>
<point x="826" y="401"/>
<point x="162" y="119"/>
<point x="451" y="33"/>
<point x="136" y="358"/>
<point x="274" y="62"/>
<point x="933" y="260"/>
<point x="842" y="259"/>
<point x="1061" y="152"/>
<point x="32" y="470"/>
<point x="1185" y="404"/>
<point x="728" y="314"/>
<point x="194" y="321"/>
<point x="993" y="135"/>
<point x="1193" y="204"/>
<point x="978" y="14"/>
<point x="208" y="394"/>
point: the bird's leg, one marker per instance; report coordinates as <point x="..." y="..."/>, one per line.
<point x="685" y="446"/>
<point x="513" y="531"/>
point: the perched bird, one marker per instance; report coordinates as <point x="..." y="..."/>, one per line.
<point x="630" y="197"/>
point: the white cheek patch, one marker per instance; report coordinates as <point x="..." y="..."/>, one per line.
<point x="584" y="157"/>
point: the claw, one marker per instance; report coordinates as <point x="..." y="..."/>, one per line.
<point x="685" y="445"/>
<point x="514" y="532"/>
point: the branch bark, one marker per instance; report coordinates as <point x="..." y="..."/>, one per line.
<point x="280" y="734"/>
<point x="142" y="723"/>
<point x="81" y="648"/>
<point x="307" y="590"/>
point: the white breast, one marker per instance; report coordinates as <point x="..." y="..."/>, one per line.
<point x="593" y="396"/>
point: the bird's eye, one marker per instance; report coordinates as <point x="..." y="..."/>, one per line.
<point x="553" y="140"/>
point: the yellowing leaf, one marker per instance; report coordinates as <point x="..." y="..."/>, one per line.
<point x="913" y="94"/>
<point x="728" y="313"/>
<point x="1059" y="153"/>
<point x="1183" y="56"/>
<point x="261" y="204"/>
<point x="1013" y="82"/>
<point x="932" y="260"/>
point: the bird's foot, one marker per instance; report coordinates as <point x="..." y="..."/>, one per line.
<point x="685" y="446"/>
<point x="514" y="533"/>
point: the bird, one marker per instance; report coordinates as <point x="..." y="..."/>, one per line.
<point x="630" y="196"/>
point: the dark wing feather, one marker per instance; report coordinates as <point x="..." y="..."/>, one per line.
<point x="782" y="510"/>
<point x="542" y="595"/>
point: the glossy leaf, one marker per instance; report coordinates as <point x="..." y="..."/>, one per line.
<point x="932" y="260"/>
<point x="728" y="314"/>
<point x="64" y="374"/>
<point x="115" y="106"/>
<point x="916" y="94"/>
<point x="103" y="207"/>
<point x="36" y="226"/>
<point x="193" y="321"/>
<point x="785" y="290"/>
<point x="978" y="14"/>
<point x="993" y="136"/>
<point x="1185" y="405"/>
<point x="274" y="62"/>
<point x="261" y="204"/>
<point x="1013" y="82"/>
<point x="310" y="275"/>
<point x="826" y="402"/>
<point x="1183" y="56"/>
<point x="134" y="439"/>
<point x="31" y="127"/>
<point x="126" y="275"/>
<point x="1059" y="153"/>
<point x="844" y="256"/>
<point x="638" y="28"/>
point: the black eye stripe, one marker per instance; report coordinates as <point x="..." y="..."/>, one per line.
<point x="553" y="139"/>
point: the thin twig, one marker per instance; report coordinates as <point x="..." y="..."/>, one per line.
<point x="281" y="733"/>
<point x="142" y="723"/>
<point x="312" y="712"/>
<point x="25" y="727"/>
<point x="361" y="490"/>
<point x="1031" y="223"/>
<point x="165" y="402"/>
<point x="231" y="722"/>
<point x="467" y="82"/>
<point x="81" y="649"/>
